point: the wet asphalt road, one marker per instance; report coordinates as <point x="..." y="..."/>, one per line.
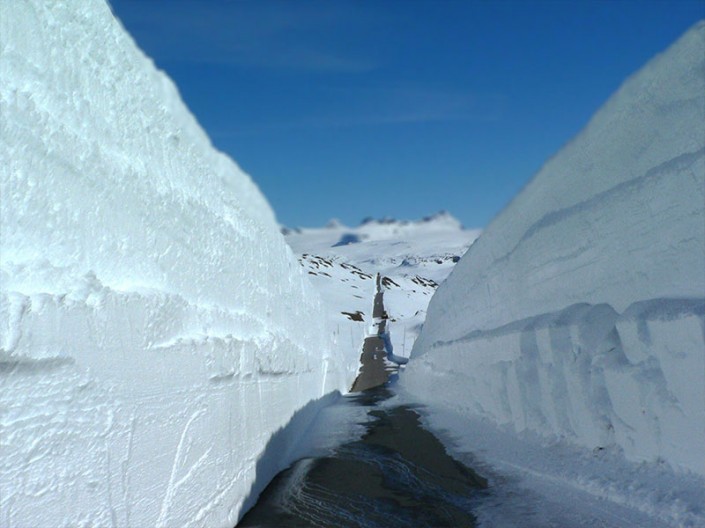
<point x="396" y="475"/>
<point x="374" y="370"/>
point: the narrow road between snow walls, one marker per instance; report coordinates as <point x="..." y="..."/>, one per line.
<point x="396" y="473"/>
<point x="376" y="361"/>
<point x="373" y="461"/>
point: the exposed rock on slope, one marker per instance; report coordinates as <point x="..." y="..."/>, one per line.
<point x="412" y="257"/>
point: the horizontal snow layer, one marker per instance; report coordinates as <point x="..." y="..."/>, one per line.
<point x="579" y="311"/>
<point x="538" y="482"/>
<point x="155" y="329"/>
<point x="585" y="373"/>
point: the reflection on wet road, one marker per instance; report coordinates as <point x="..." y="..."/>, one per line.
<point x="396" y="474"/>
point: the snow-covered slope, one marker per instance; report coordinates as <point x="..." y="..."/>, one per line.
<point x="580" y="311"/>
<point x="413" y="257"/>
<point x="155" y="329"/>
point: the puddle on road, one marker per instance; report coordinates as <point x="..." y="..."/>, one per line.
<point x="396" y="474"/>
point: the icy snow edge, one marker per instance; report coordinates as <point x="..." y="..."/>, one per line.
<point x="580" y="311"/>
<point x="155" y="329"/>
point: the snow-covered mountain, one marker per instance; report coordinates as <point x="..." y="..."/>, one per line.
<point x="155" y="329"/>
<point x="580" y="312"/>
<point x="413" y="257"/>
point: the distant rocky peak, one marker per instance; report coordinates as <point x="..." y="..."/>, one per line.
<point x="387" y="220"/>
<point x="441" y="218"/>
<point x="440" y="215"/>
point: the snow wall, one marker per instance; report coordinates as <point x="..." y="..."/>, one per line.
<point x="155" y="329"/>
<point x="580" y="311"/>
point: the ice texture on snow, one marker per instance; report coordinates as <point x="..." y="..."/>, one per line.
<point x="155" y="329"/>
<point x="580" y="311"/>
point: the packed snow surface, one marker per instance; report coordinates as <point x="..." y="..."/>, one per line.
<point x="155" y="329"/>
<point x="412" y="258"/>
<point x="579" y="313"/>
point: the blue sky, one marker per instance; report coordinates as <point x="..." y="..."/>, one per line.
<point x="350" y="109"/>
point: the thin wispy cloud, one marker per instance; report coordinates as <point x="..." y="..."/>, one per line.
<point x="341" y="91"/>
<point x="268" y="35"/>
<point x="368" y="107"/>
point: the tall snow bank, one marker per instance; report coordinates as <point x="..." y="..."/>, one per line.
<point x="155" y="329"/>
<point x="580" y="312"/>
